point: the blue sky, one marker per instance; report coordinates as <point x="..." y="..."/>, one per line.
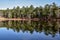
<point x="11" y="3"/>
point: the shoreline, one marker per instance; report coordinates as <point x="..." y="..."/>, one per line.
<point x="23" y="19"/>
<point x="27" y="19"/>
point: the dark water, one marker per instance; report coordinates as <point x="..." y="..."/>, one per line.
<point x="29" y="30"/>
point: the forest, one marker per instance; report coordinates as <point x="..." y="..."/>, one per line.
<point x="48" y="11"/>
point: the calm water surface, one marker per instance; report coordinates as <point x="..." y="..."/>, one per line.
<point x="29" y="30"/>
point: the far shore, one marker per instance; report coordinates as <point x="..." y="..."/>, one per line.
<point x="26" y="19"/>
<point x="10" y="19"/>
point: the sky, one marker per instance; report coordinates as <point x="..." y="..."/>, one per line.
<point x="11" y="3"/>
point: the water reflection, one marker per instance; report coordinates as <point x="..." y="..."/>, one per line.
<point x="48" y="27"/>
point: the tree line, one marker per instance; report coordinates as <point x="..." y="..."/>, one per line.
<point x="32" y="12"/>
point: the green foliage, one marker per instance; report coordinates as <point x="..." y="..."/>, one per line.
<point x="32" y="12"/>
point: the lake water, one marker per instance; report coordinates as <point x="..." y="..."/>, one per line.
<point x="29" y="30"/>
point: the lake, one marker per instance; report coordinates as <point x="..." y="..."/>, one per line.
<point x="29" y="30"/>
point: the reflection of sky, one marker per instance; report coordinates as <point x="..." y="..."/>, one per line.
<point x="11" y="35"/>
<point x="12" y="3"/>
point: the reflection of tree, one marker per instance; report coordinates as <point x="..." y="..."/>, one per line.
<point x="31" y="26"/>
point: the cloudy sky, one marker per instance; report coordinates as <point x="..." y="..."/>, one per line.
<point x="11" y="3"/>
